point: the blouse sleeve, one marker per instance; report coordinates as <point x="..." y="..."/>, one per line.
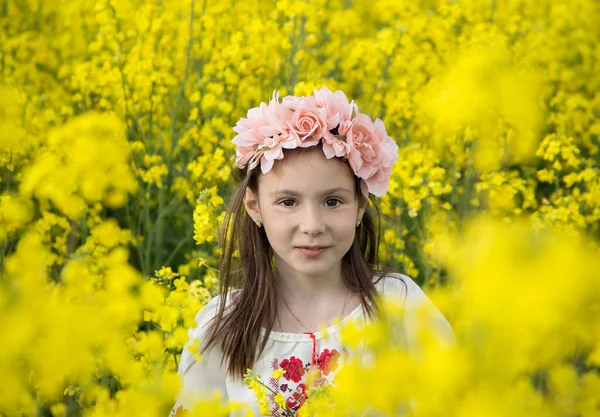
<point x="200" y="378"/>
<point x="419" y="314"/>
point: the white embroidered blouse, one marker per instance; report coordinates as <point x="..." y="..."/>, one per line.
<point x="296" y="352"/>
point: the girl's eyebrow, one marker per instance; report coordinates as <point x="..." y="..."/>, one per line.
<point x="296" y="194"/>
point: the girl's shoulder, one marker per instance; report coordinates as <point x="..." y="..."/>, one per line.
<point x="208" y="311"/>
<point x="395" y="284"/>
<point x="401" y="288"/>
<point x="418" y="309"/>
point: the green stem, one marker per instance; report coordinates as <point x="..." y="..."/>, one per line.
<point x="492" y="17"/>
<point x="385" y="79"/>
<point x="180" y="245"/>
<point x="136" y="230"/>
<point x="148" y="234"/>
<point x="169" y="207"/>
<point x="2" y="53"/>
<point x="160" y="230"/>
<point x="465" y="202"/>
<point x="299" y="44"/>
<point x="423" y="256"/>
<point x="181" y="91"/>
<point x="273" y="392"/>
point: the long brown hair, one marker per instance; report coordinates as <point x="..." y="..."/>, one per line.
<point x="237" y="324"/>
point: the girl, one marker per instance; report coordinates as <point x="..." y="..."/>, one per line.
<point x="305" y="234"/>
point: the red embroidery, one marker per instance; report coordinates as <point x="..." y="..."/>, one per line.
<point x="314" y="351"/>
<point x="294" y="370"/>
<point x="297" y="398"/>
<point x="291" y="384"/>
<point x="328" y="361"/>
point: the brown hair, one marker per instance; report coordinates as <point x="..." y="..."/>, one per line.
<point x="237" y="325"/>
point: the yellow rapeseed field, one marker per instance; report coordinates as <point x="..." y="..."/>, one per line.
<point x="116" y="167"/>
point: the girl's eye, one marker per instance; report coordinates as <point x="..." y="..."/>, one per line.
<point x="334" y="200"/>
<point x="287" y="203"/>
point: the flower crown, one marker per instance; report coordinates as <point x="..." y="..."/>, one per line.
<point x="304" y="121"/>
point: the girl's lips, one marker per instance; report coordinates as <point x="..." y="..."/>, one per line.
<point x="312" y="252"/>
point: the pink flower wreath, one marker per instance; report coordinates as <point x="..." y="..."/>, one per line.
<point x="304" y="121"/>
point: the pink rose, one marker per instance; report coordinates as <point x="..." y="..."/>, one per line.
<point x="247" y="154"/>
<point x="372" y="153"/>
<point x="336" y="145"/>
<point x="304" y="121"/>
<point x="262" y="135"/>
<point x="294" y="103"/>
<point x="309" y="125"/>
<point x="366" y="153"/>
<point x="335" y="106"/>
<point x="379" y="181"/>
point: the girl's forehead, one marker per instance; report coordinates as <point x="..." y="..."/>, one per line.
<point x="308" y="172"/>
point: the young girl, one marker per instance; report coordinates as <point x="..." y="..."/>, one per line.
<point x="307" y="243"/>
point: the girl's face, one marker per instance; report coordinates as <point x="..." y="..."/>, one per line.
<point x="306" y="201"/>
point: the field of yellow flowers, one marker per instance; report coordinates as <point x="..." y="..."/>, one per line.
<point x="116" y="163"/>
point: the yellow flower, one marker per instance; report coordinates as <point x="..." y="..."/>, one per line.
<point x="206" y="218"/>
<point x="167" y="273"/>
<point x="122" y="94"/>
<point x="280" y="400"/>
<point x="70" y="173"/>
<point x="264" y="408"/>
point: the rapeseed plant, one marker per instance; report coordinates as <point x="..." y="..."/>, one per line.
<point x="116" y="116"/>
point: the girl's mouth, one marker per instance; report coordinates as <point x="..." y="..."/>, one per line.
<point x="312" y="251"/>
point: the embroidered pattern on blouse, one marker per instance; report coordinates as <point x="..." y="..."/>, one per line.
<point x="292" y="383"/>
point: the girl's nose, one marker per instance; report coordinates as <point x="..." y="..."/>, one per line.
<point x="311" y="222"/>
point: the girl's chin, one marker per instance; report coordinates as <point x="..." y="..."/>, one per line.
<point x="307" y="265"/>
<point x="317" y="270"/>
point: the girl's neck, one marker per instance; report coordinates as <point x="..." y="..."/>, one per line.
<point x="312" y="302"/>
<point x="307" y="290"/>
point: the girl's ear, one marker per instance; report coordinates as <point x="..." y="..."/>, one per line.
<point x="252" y="206"/>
